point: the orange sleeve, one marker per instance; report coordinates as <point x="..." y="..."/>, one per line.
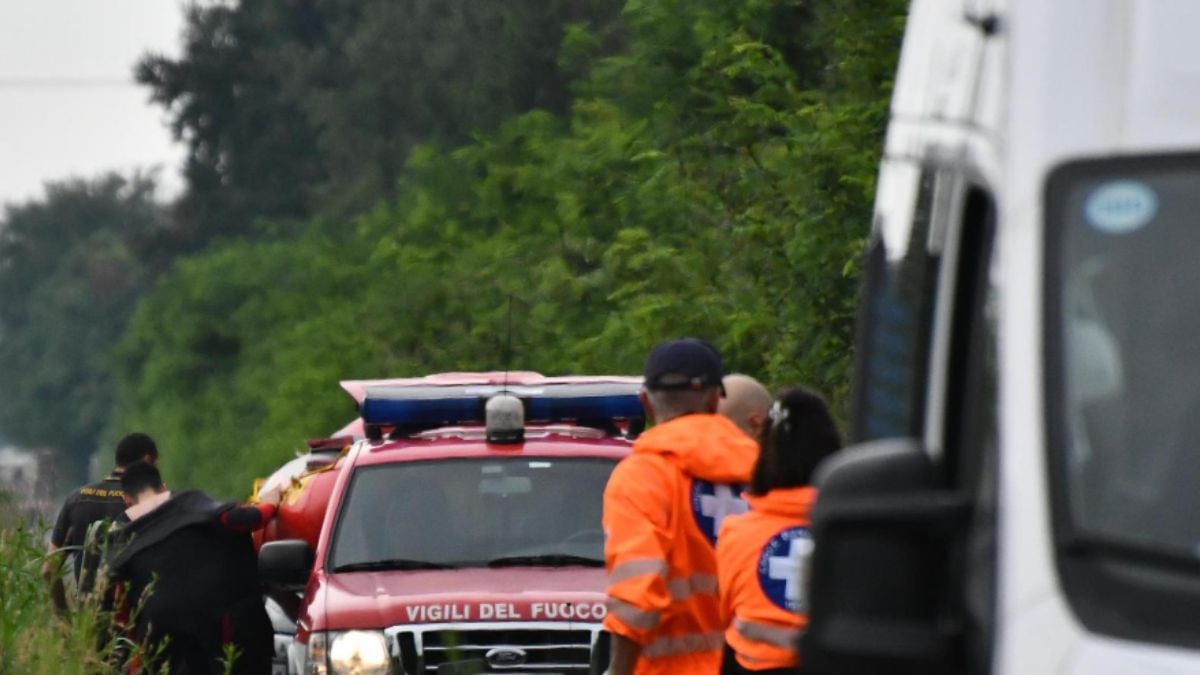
<point x="637" y="525"/>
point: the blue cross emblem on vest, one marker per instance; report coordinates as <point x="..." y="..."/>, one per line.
<point x="783" y="569"/>
<point x="712" y="503"/>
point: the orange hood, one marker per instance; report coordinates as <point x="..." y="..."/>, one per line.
<point x="704" y="446"/>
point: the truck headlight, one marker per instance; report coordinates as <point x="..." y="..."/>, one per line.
<point x="355" y="652"/>
<point x="359" y="652"/>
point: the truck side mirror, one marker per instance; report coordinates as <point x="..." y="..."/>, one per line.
<point x="285" y="563"/>
<point x="882" y="584"/>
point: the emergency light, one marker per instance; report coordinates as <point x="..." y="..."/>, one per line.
<point x="420" y="407"/>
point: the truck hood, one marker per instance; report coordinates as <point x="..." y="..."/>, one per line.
<point x="392" y="598"/>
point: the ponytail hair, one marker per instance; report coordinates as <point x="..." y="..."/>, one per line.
<point x="799" y="433"/>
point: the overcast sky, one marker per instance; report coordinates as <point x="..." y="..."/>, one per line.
<point x="68" y="105"/>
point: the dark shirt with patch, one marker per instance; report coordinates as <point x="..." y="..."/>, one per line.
<point x="90" y="504"/>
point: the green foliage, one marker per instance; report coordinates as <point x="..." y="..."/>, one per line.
<point x="229" y="338"/>
<point x="35" y="639"/>
<point x="72" y="268"/>
<point x="250" y="150"/>
<point x="712" y="175"/>
<point x="312" y="105"/>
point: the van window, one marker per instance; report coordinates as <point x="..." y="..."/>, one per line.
<point x="1129" y="293"/>
<point x="895" y="322"/>
<point x="1123" y="391"/>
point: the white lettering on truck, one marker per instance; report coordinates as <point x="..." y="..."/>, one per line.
<point x="499" y="610"/>
<point x="506" y="611"/>
<point x="567" y="610"/>
<point x="423" y="613"/>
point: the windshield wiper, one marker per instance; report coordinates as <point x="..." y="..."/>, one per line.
<point x="546" y="560"/>
<point x="393" y="564"/>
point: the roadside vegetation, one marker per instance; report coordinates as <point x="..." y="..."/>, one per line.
<point x="371" y="184"/>
<point x="34" y="638"/>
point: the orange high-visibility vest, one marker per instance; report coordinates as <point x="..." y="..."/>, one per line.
<point x="663" y="508"/>
<point x="763" y="558"/>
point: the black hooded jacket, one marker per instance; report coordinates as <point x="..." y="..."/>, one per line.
<point x="203" y="583"/>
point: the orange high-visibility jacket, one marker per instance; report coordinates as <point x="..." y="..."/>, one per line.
<point x="763" y="560"/>
<point x="663" y="508"/>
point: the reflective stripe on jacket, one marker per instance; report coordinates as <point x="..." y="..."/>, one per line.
<point x="763" y="561"/>
<point x="663" y="508"/>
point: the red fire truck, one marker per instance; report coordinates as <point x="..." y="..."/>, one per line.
<point x="462" y="533"/>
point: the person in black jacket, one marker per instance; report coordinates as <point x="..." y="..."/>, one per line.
<point x="90" y="507"/>
<point x="191" y="576"/>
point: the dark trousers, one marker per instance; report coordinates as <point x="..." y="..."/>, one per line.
<point x="730" y="666"/>
<point x="198" y="648"/>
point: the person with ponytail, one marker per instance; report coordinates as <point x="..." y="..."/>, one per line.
<point x="762" y="555"/>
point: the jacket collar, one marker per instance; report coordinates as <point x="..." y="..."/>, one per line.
<point x="794" y="502"/>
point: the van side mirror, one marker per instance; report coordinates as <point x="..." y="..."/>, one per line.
<point x="883" y="575"/>
<point x="285" y="563"/>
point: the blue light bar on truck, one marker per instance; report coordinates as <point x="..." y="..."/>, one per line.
<point x="433" y="406"/>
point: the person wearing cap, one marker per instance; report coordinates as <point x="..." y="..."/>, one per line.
<point x="763" y="555"/>
<point x="663" y="508"/>
<point x="746" y="402"/>
<point x="88" y="506"/>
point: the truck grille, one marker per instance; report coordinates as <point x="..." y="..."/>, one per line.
<point x="497" y="648"/>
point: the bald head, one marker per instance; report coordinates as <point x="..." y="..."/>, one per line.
<point x="746" y="402"/>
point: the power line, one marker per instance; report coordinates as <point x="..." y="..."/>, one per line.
<point x="64" y="82"/>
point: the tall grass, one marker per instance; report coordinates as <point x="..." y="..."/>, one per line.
<point x="35" y="639"/>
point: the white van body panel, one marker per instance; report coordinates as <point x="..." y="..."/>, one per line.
<point x="1060" y="80"/>
<point x="1087" y="78"/>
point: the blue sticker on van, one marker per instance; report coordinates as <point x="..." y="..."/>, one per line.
<point x="1121" y="207"/>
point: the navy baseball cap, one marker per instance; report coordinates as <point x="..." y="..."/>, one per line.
<point x="686" y="363"/>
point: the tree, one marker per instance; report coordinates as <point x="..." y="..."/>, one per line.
<point x="72" y="266"/>
<point x="712" y="176"/>
<point x="306" y="106"/>
<point x="251" y="151"/>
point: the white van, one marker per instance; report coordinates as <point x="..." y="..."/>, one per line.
<point x="1025" y="498"/>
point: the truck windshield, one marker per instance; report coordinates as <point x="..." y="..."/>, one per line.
<point x="1123" y="372"/>
<point x="472" y="512"/>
